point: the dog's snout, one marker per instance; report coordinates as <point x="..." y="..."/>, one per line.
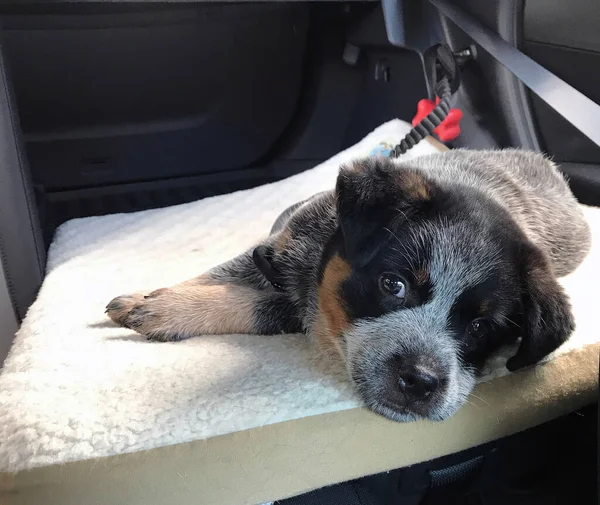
<point x="416" y="383"/>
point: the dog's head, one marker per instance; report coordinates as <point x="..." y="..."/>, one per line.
<point x="422" y="283"/>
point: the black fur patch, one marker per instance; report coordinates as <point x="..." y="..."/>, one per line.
<point x="547" y="317"/>
<point x="482" y="302"/>
<point x="362" y="292"/>
<point x="276" y="314"/>
<point x="370" y="195"/>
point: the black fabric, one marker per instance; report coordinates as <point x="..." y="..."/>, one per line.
<point x="21" y="248"/>
<point x="347" y="493"/>
<point x="455" y="473"/>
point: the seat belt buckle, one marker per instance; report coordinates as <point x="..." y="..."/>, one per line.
<point x="440" y="61"/>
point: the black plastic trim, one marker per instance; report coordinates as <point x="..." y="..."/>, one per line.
<point x="22" y="252"/>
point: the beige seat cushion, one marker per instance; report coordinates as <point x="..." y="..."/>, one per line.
<point x="92" y="413"/>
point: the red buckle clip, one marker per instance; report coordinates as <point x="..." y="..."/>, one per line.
<point x="449" y="128"/>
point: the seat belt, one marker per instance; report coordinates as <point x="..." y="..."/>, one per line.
<point x="571" y="104"/>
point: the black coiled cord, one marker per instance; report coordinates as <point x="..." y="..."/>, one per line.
<point x="428" y="124"/>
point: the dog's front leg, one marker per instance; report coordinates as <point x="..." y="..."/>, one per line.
<point x="231" y="298"/>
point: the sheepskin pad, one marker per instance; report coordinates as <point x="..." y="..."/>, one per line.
<point x="77" y="387"/>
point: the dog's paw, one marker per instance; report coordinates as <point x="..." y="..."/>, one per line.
<point x="118" y="308"/>
<point x="150" y="315"/>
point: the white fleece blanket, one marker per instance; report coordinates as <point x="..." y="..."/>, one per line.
<point x="75" y="386"/>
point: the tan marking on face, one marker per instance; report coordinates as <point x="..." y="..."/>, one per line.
<point x="415" y="186"/>
<point x="484" y="308"/>
<point x="332" y="319"/>
<point x="282" y="240"/>
<point x="421" y="276"/>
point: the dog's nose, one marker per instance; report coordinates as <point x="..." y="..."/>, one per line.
<point x="416" y="383"/>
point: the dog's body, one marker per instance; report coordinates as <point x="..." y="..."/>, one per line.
<point x="413" y="273"/>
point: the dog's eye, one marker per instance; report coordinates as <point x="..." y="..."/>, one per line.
<point x="478" y="327"/>
<point x="393" y="285"/>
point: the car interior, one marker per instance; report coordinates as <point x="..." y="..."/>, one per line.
<point x="112" y="107"/>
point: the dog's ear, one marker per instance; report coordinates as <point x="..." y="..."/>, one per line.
<point x="371" y="193"/>
<point x="547" y="317"/>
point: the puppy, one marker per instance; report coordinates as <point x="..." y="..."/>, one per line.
<point x="413" y="273"/>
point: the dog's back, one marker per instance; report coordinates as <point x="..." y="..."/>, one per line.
<point x="530" y="187"/>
